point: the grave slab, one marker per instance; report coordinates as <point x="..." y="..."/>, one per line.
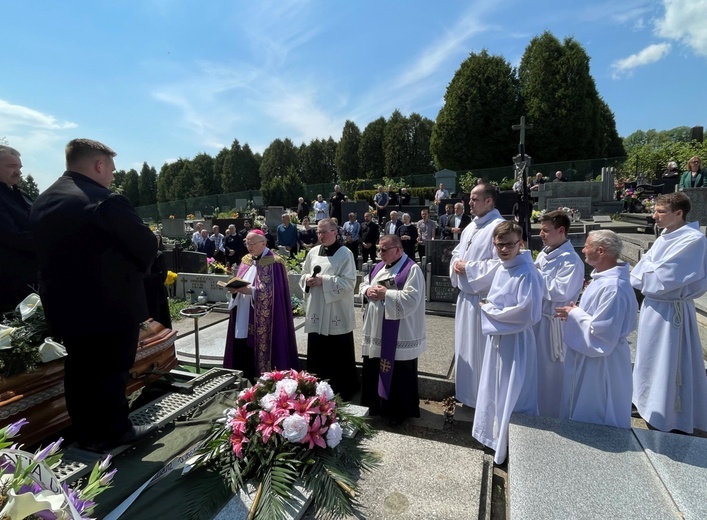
<point x="569" y="469"/>
<point x="681" y="463"/>
<point x="581" y="204"/>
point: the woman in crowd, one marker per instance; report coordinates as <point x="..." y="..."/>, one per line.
<point x="408" y="235"/>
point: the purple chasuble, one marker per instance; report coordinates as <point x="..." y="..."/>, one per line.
<point x="389" y="334"/>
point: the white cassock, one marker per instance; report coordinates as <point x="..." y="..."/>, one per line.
<point x="476" y="249"/>
<point x="406" y="304"/>
<point x="669" y="382"/>
<point x="563" y="273"/>
<point x="509" y="375"/>
<point x="597" y="387"/>
<point x="330" y="307"/>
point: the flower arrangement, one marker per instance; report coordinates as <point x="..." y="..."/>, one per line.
<point x="649" y="205"/>
<point x="191" y="216"/>
<point x="628" y="193"/>
<point x="29" y="488"/>
<point x="288" y="428"/>
<point x="297" y="306"/>
<point x="24" y="341"/>
<point x="171" y="278"/>
<point x="172" y="217"/>
<point x="536" y="214"/>
<point x="217" y="267"/>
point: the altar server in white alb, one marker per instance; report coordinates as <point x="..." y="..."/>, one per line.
<point x="328" y="280"/>
<point x="597" y="386"/>
<point x="669" y="382"/>
<point x="563" y="275"/>
<point x="509" y="375"/>
<point x="471" y="269"/>
<point x="394" y="333"/>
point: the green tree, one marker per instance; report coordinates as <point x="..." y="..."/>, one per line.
<point x="118" y="179"/>
<point x="130" y="187"/>
<point x="330" y="147"/>
<point x="230" y="178"/>
<point x="276" y="159"/>
<point x="371" y="154"/>
<point x="273" y="191"/>
<point x="29" y="186"/>
<point x="250" y="168"/>
<point x="147" y="185"/>
<point x="561" y="100"/>
<point x="313" y="165"/>
<point x="420" y="161"/>
<point x="187" y="184"/>
<point x="395" y="145"/>
<point x="292" y="187"/>
<point x="473" y="128"/>
<point x="346" y="158"/>
<point x="204" y="170"/>
<point x="611" y="143"/>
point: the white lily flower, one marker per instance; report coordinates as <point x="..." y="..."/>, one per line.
<point x="29" y="305"/>
<point x="26" y="504"/>
<point x="5" y="336"/>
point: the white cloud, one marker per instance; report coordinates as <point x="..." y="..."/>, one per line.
<point x="684" y="21"/>
<point x="16" y="116"/>
<point x="650" y="54"/>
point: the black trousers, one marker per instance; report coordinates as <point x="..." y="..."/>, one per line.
<point x="96" y="374"/>
<point x="368" y="254"/>
<point x="333" y="358"/>
<point x="404" y="397"/>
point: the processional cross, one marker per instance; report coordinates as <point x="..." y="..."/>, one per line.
<point x="524" y="204"/>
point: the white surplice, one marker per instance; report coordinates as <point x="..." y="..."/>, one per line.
<point x="563" y="273"/>
<point x="597" y="386"/>
<point x="669" y="382"/>
<point x="406" y="304"/>
<point x="476" y="249"/>
<point x="330" y="306"/>
<point x="509" y="374"/>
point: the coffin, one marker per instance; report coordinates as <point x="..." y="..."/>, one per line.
<point x="38" y="396"/>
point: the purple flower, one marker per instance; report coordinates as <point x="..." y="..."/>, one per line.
<point x="105" y="479"/>
<point x="105" y="463"/>
<point x="13" y="429"/>
<point x="50" y="450"/>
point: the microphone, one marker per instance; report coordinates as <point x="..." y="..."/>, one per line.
<point x="315" y="272"/>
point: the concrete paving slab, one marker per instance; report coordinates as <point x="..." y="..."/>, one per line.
<point x="568" y="469"/>
<point x="681" y="463"/>
<point x="419" y="478"/>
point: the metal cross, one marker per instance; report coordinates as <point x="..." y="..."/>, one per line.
<point x="385" y="365"/>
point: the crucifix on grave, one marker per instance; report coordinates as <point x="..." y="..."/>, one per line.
<point x="522" y="171"/>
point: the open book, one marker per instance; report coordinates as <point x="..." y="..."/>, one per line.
<point x="233" y="283"/>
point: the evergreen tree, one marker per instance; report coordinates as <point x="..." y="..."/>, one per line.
<point x="293" y="187"/>
<point x="187" y="184"/>
<point x="276" y="158"/>
<point x="130" y="187"/>
<point x="330" y="147"/>
<point x="118" y="178"/>
<point x="346" y="157"/>
<point x="395" y="144"/>
<point x="473" y="128"/>
<point x="219" y="162"/>
<point x="29" y="186"/>
<point x="419" y="133"/>
<point x="230" y="179"/>
<point x="250" y="169"/>
<point x="147" y="185"/>
<point x="370" y="152"/>
<point x="313" y="163"/>
<point x="204" y="171"/>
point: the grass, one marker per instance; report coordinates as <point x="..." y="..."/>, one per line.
<point x="175" y="306"/>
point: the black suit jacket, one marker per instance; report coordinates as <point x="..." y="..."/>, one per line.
<point x="18" y="261"/>
<point x="398" y="223"/>
<point x="370" y="233"/>
<point x="94" y="252"/>
<point x="447" y="229"/>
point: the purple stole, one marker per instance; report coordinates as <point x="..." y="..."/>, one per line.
<point x="389" y="335"/>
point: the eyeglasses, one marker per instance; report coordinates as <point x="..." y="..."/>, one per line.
<point x="386" y="249"/>
<point x="508" y="245"/>
<point x="248" y="244"/>
<point x="325" y="232"/>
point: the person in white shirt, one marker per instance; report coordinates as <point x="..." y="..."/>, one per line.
<point x="669" y="382"/>
<point x="597" y="384"/>
<point x="394" y="333"/>
<point x="563" y="275"/>
<point x="321" y="208"/>
<point x="196" y="238"/>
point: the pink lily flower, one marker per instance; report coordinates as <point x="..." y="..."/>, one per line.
<point x="270" y="423"/>
<point x="315" y="434"/>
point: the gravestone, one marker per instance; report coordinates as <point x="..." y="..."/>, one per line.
<point x="360" y="207"/>
<point x="441" y="290"/>
<point x="601" y="218"/>
<point x="241" y="204"/>
<point x="413" y="211"/>
<point x="698" y="200"/>
<point x="448" y="178"/>
<point x="581" y="204"/>
<point x="202" y="282"/>
<point x="273" y="217"/>
<point x="505" y="200"/>
<point x="257" y="200"/>
<point x="608" y="190"/>
<point x="173" y="227"/>
<point x="439" y="254"/>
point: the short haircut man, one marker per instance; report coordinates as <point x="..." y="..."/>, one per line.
<point x="395" y="295"/>
<point x="471" y="269"/>
<point x="562" y="271"/>
<point x="597" y="382"/>
<point x="79" y="209"/>
<point x="18" y="274"/>
<point x="508" y="380"/>
<point x="669" y="382"/>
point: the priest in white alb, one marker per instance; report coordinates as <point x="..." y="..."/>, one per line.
<point x="471" y="269"/>
<point x="597" y="385"/>
<point x="509" y="374"/>
<point x="563" y="275"/>
<point x="394" y="333"/>
<point x="328" y="280"/>
<point x="669" y="382"/>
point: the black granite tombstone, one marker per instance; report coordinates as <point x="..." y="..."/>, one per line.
<point x="360" y="207"/>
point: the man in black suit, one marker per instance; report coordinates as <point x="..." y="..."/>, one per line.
<point x="370" y="233"/>
<point x="391" y="227"/>
<point x="456" y="223"/>
<point x="94" y="252"/>
<point x="444" y="220"/>
<point x="18" y="258"/>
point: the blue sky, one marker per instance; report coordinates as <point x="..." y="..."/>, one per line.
<point x="161" y="79"/>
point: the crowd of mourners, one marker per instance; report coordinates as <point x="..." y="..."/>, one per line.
<point x="529" y="336"/>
